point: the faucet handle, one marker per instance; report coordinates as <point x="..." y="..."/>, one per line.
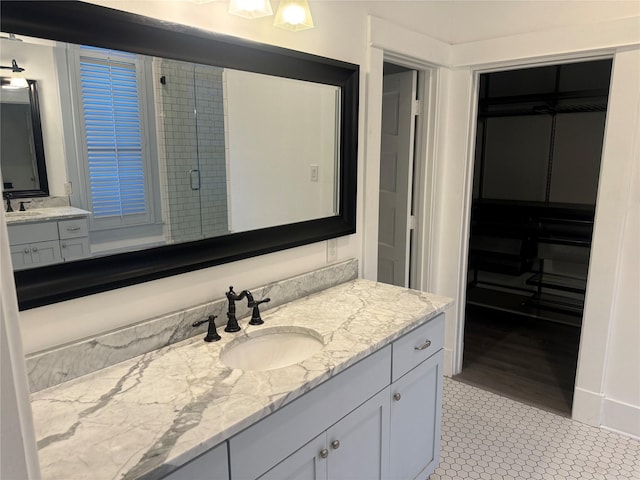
<point x="212" y="334"/>
<point x="255" y="314"/>
<point x="22" y="209"/>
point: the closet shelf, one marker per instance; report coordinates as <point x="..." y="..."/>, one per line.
<point x="556" y="303"/>
<point x="558" y="282"/>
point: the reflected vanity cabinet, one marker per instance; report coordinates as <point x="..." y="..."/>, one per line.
<point x="44" y="243"/>
<point x="379" y="419"/>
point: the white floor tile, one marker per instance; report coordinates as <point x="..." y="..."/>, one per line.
<point x="486" y="436"/>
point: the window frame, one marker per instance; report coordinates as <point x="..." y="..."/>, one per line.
<point x="134" y="223"/>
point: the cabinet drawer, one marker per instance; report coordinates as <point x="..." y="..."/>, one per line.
<point x="417" y="345"/>
<point x="73" y="228"/>
<point x="32" y="233"/>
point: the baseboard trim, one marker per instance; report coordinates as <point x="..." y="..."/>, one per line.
<point x="621" y="417"/>
<point x="587" y="407"/>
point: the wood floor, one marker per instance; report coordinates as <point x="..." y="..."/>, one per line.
<point x="523" y="358"/>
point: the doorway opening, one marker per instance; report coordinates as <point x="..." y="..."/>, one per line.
<point x="539" y="143"/>
<point x="396" y="216"/>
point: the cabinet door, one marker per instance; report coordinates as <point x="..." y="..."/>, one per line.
<point x="74" y="248"/>
<point x="416" y="405"/>
<point x="359" y="443"/>
<point x="21" y="256"/>
<point x="212" y="465"/>
<point x="45" y="253"/>
<point x="308" y="463"/>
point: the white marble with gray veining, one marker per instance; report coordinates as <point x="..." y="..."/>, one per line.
<point x="144" y="416"/>
<point x="48" y="214"/>
<point x="51" y="367"/>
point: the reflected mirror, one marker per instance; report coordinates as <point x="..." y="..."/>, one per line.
<point x="224" y="149"/>
<point x="22" y="160"/>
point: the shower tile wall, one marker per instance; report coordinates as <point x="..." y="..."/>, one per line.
<point x="191" y="133"/>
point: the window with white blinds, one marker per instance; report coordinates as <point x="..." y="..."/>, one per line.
<point x="114" y="134"/>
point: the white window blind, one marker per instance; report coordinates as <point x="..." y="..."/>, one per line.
<point x="113" y="131"/>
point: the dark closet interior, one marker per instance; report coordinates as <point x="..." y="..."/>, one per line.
<point x="537" y="161"/>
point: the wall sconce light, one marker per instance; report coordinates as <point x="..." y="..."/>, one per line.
<point x="250" y="8"/>
<point x="17" y="80"/>
<point x="293" y="15"/>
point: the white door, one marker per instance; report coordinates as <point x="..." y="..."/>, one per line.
<point x="396" y="177"/>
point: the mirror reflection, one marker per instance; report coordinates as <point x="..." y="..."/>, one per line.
<point x="21" y="153"/>
<point x="161" y="151"/>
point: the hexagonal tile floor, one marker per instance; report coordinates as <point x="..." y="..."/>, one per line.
<point x="486" y="436"/>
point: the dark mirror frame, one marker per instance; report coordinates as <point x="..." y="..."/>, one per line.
<point x="43" y="190"/>
<point x="83" y="23"/>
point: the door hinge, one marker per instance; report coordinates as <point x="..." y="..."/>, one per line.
<point x="412" y="222"/>
<point x="417" y="107"/>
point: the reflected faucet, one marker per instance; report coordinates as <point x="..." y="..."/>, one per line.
<point x="232" y="322"/>
<point x="7" y="197"/>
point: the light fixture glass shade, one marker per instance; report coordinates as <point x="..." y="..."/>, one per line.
<point x="250" y="8"/>
<point x="293" y="15"/>
<point x="14" y="83"/>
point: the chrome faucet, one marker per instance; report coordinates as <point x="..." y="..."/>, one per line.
<point x="232" y="322"/>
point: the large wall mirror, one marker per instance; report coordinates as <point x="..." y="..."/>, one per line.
<point x="247" y="149"/>
<point x="24" y="171"/>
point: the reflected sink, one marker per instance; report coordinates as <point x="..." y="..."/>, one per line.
<point x="26" y="213"/>
<point x="271" y="348"/>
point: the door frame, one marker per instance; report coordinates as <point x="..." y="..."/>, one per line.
<point x="424" y="166"/>
<point x="476" y="71"/>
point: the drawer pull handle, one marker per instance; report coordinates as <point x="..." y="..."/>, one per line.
<point x="35" y="249"/>
<point x="26" y="250"/>
<point x="335" y="444"/>
<point x="397" y="397"/>
<point x="324" y="453"/>
<point x="73" y="229"/>
<point x="426" y="344"/>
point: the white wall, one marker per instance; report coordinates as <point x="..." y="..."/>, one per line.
<point x="608" y="383"/>
<point x="292" y="125"/>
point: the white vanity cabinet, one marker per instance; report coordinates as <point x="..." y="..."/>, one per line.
<point x="212" y="465"/>
<point x="43" y="243"/>
<point x="378" y="419"/>
<point x="392" y="434"/>
<point x="34" y="244"/>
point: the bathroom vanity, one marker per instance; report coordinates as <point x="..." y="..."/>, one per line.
<point x="365" y="405"/>
<point x="44" y="236"/>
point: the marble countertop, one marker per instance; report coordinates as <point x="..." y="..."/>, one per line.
<point x="141" y="417"/>
<point x="44" y="214"/>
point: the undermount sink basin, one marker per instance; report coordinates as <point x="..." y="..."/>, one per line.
<point x="271" y="348"/>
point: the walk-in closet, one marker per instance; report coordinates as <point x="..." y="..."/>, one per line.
<point x="538" y="146"/>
